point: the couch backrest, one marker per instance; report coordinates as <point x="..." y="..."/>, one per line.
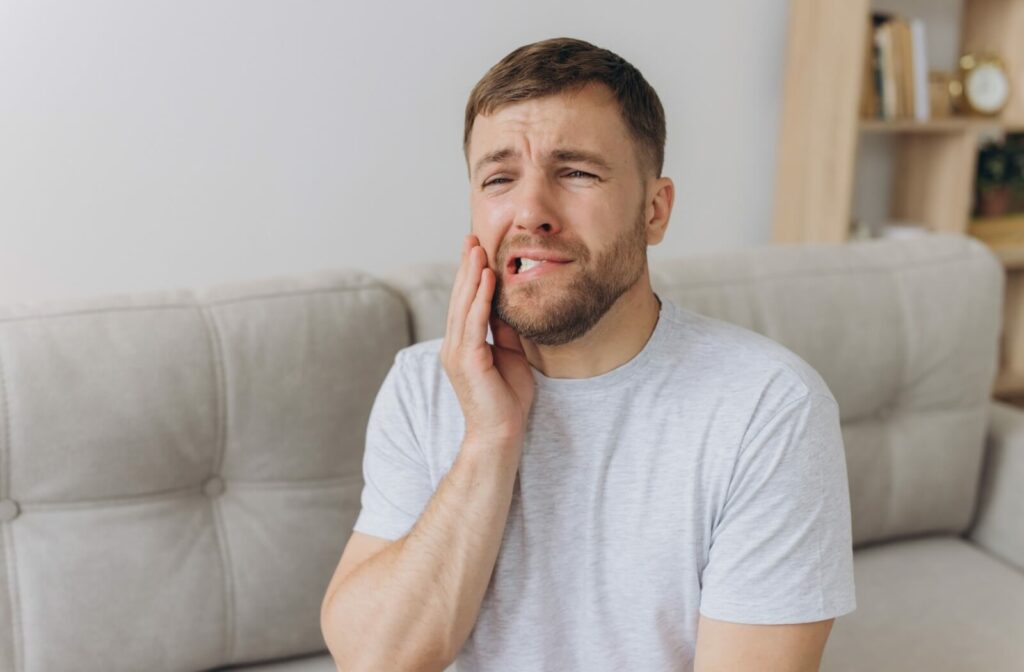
<point x="180" y="471"/>
<point x="904" y="332"/>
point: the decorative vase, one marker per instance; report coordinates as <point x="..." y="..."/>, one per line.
<point x="994" y="201"/>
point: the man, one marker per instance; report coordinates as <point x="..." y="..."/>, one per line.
<point x="582" y="475"/>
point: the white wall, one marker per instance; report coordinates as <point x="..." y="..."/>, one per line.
<point x="160" y="144"/>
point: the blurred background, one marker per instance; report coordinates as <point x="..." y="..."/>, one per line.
<point x="164" y="144"/>
<point x="179" y="145"/>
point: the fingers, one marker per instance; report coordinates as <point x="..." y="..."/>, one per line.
<point x="466" y="246"/>
<point x="465" y="294"/>
<point x="476" y="320"/>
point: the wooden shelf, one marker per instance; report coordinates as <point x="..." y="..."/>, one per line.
<point x="935" y="161"/>
<point x="1009" y="384"/>
<point x="1004" y="236"/>
<point x="945" y="125"/>
<point x="820" y="127"/>
<point x="1012" y="257"/>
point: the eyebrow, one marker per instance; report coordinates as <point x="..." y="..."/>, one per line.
<point x="561" y="154"/>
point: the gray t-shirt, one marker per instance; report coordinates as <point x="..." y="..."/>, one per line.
<point x="705" y="475"/>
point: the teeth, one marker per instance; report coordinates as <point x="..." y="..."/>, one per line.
<point x="526" y="264"/>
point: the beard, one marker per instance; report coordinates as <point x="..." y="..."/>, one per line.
<point x="555" y="311"/>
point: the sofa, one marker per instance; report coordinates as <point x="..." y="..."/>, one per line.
<point x="180" y="470"/>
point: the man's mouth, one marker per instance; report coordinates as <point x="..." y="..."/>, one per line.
<point x="527" y="267"/>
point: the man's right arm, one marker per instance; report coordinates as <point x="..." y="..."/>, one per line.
<point x="412" y="605"/>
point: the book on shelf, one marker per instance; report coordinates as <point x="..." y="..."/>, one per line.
<point x="895" y="72"/>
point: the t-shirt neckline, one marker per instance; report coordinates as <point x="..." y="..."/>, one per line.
<point x="622" y="373"/>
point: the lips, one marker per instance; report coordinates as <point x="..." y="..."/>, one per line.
<point x="536" y="254"/>
<point x="535" y="272"/>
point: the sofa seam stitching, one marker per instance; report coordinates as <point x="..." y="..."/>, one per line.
<point x="225" y="556"/>
<point x="10" y="555"/>
<point x="5" y="457"/>
<point x="192" y="305"/>
<point x="12" y="577"/>
<point x="184" y="492"/>
<point x="907" y="343"/>
<point x="213" y="333"/>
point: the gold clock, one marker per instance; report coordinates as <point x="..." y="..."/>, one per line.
<point x="985" y="84"/>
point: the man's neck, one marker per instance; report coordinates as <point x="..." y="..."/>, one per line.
<point x="616" y="339"/>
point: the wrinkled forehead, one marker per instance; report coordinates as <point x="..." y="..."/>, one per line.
<point x="588" y="120"/>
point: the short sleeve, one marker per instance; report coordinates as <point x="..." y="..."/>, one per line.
<point x="781" y="551"/>
<point x="396" y="478"/>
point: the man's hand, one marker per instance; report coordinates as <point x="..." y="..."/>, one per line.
<point x="494" y="383"/>
<point x="411" y="604"/>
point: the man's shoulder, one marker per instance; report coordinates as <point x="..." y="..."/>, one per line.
<point x="420" y="361"/>
<point x="422" y="351"/>
<point x="738" y="353"/>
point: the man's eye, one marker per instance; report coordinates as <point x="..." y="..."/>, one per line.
<point x="505" y="179"/>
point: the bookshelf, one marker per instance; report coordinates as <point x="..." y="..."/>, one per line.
<point x="935" y="160"/>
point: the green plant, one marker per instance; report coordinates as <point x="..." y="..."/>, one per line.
<point x="1015" y="170"/>
<point x="994" y="166"/>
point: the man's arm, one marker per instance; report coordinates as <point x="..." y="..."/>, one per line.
<point x="412" y="605"/>
<point x="736" y="647"/>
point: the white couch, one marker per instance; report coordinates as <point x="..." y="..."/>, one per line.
<point x="179" y="471"/>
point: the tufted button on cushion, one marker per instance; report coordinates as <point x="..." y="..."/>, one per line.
<point x="214" y="486"/>
<point x="9" y="509"/>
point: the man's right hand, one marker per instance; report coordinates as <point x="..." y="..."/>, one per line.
<point x="494" y="383"/>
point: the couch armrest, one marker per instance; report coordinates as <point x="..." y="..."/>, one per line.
<point x="999" y="522"/>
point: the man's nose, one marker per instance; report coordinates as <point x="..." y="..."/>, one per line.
<point x="536" y="209"/>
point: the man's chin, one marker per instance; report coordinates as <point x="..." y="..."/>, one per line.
<point x="527" y="307"/>
<point x="529" y="322"/>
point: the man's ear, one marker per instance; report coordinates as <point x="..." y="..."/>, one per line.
<point x="658" y="209"/>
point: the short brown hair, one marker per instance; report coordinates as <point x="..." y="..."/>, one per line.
<point x="565" y="64"/>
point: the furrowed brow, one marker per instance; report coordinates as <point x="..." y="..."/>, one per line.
<point x="580" y="155"/>
<point x="497" y="156"/>
<point x="563" y="154"/>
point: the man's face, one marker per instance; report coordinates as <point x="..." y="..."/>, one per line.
<point x="567" y="206"/>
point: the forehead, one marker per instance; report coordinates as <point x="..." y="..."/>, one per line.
<point x="588" y="119"/>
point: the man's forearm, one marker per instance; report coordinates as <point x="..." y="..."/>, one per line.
<point x="413" y="605"/>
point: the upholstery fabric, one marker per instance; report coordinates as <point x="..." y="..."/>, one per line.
<point x="934" y="603"/>
<point x="320" y="662"/>
<point x="181" y="470"/>
<point x="999" y="526"/>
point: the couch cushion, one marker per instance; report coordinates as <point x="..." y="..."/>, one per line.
<point x="939" y="604"/>
<point x="317" y="663"/>
<point x="320" y="662"/>
<point x="179" y="471"/>
<point x="904" y="332"/>
<point x="906" y="335"/>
